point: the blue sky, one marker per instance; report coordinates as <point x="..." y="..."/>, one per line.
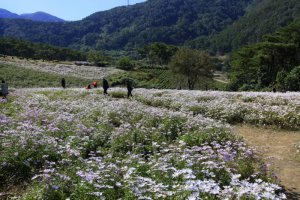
<point x="66" y="9"/>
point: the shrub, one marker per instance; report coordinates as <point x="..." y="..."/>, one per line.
<point x="125" y="63"/>
<point x="118" y="94"/>
<point x="292" y="81"/>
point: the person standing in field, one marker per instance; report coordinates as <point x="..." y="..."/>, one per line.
<point x="105" y="86"/>
<point x="129" y="88"/>
<point x="63" y="83"/>
<point x="4" y="89"/>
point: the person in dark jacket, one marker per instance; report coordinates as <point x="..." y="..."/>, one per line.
<point x="129" y="88"/>
<point x="63" y="83"/>
<point x="105" y="86"/>
<point x="4" y="89"/>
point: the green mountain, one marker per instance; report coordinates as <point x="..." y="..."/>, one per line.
<point x="218" y="25"/>
<point x="41" y="16"/>
<point x="264" y="17"/>
<point x="37" y="16"/>
<point x="169" y="21"/>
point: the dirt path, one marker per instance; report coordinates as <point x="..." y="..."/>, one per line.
<point x="277" y="147"/>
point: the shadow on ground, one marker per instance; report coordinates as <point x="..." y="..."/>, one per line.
<point x="292" y="195"/>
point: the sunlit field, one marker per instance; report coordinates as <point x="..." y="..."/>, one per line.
<point x="160" y="144"/>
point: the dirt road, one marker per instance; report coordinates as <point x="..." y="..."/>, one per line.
<point x="278" y="148"/>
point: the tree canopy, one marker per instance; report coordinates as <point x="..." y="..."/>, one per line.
<point x="25" y="49"/>
<point x="158" y="53"/>
<point x="127" y="27"/>
<point x="192" y="64"/>
<point x="268" y="63"/>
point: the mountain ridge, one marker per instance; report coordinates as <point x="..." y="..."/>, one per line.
<point x="37" y="16"/>
<point x="216" y="25"/>
<point x="128" y="27"/>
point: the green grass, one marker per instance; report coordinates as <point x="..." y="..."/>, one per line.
<point x="161" y="79"/>
<point x="18" y="77"/>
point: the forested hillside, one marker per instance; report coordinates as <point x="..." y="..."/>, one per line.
<point x="169" y="21"/>
<point x="263" y="18"/>
<point x="37" y="16"/>
<point x="273" y="63"/>
<point x="25" y="49"/>
<point x="6" y="14"/>
<point x="217" y="25"/>
<point x="41" y="16"/>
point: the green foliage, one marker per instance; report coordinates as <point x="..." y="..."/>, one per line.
<point x="118" y="94"/>
<point x="218" y="25"/>
<point x="262" y="17"/>
<point x="172" y="22"/>
<point x="292" y="80"/>
<point x="191" y="64"/>
<point x="160" y="79"/>
<point x="25" y="49"/>
<point x="125" y="63"/>
<point x="17" y="77"/>
<point x="98" y="58"/>
<point x="158" y="53"/>
<point x="268" y="64"/>
<point x="195" y="138"/>
<point x="23" y="162"/>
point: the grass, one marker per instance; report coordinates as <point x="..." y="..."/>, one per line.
<point x="18" y="77"/>
<point x="158" y="78"/>
<point x="161" y="79"/>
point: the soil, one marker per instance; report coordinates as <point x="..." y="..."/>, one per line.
<point x="278" y="147"/>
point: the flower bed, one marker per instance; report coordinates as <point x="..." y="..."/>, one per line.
<point x="79" y="144"/>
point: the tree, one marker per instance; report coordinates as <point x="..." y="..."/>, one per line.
<point x="98" y="58"/>
<point x="192" y="64"/>
<point x="268" y="63"/>
<point x="125" y="63"/>
<point x="158" y="52"/>
<point x="292" y="81"/>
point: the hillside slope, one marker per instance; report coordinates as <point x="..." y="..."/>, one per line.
<point x="6" y="14"/>
<point x="37" y="16"/>
<point x="264" y="18"/>
<point x="41" y="16"/>
<point x="218" y="25"/>
<point x="170" y="21"/>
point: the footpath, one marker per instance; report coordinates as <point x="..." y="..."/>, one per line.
<point x="277" y="147"/>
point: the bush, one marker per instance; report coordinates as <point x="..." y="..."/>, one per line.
<point x="125" y="63"/>
<point x="118" y="94"/>
<point x="102" y="64"/>
<point x="247" y="87"/>
<point x="292" y="81"/>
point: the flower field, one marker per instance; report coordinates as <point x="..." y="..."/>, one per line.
<point x="257" y="108"/>
<point x="69" y="69"/>
<point x="161" y="144"/>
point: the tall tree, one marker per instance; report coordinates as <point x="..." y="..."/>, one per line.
<point x="192" y="64"/>
<point x="158" y="52"/>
